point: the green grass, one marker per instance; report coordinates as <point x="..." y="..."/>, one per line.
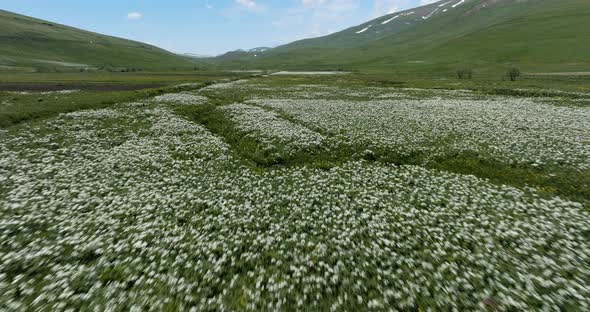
<point x="205" y="218"/>
<point x="158" y="77"/>
<point x="563" y="183"/>
<point x="554" y="86"/>
<point x="16" y="108"/>
<point x="536" y="35"/>
<point x="142" y="206"/>
<point x="550" y="181"/>
<point x="35" y="45"/>
<point x="252" y="151"/>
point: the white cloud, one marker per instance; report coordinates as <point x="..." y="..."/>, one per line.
<point x="383" y="7"/>
<point x="313" y="18"/>
<point x="134" y="16"/>
<point x="250" y="4"/>
<point x="328" y="9"/>
<point x="312" y="3"/>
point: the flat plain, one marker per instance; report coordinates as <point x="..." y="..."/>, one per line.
<point x="294" y="192"/>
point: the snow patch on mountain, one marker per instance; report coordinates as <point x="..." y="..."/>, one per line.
<point x="458" y="3"/>
<point x="431" y="14"/>
<point x="399" y="15"/>
<point x="389" y="20"/>
<point x="364" y="29"/>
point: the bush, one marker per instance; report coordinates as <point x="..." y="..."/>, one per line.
<point x="464" y="73"/>
<point x="513" y="73"/>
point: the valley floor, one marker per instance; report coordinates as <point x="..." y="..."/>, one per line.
<point x="290" y="193"/>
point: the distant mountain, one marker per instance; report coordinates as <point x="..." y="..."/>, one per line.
<point x="487" y="35"/>
<point x="32" y="44"/>
<point x="197" y="56"/>
<point x="240" y="57"/>
<point x="259" y="50"/>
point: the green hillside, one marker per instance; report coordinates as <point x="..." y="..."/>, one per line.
<point x="31" y="44"/>
<point x="486" y="35"/>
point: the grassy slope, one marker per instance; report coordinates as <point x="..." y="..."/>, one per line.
<point x="19" y="107"/>
<point x="129" y="78"/>
<point x="28" y="43"/>
<point x="538" y="35"/>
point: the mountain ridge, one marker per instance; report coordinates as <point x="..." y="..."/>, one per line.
<point x="38" y="45"/>
<point x="488" y="35"/>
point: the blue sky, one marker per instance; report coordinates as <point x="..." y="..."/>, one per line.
<point x="210" y="26"/>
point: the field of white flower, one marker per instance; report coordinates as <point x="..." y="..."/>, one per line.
<point x="268" y="128"/>
<point x="184" y="98"/>
<point x="139" y="207"/>
<point x="509" y="130"/>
